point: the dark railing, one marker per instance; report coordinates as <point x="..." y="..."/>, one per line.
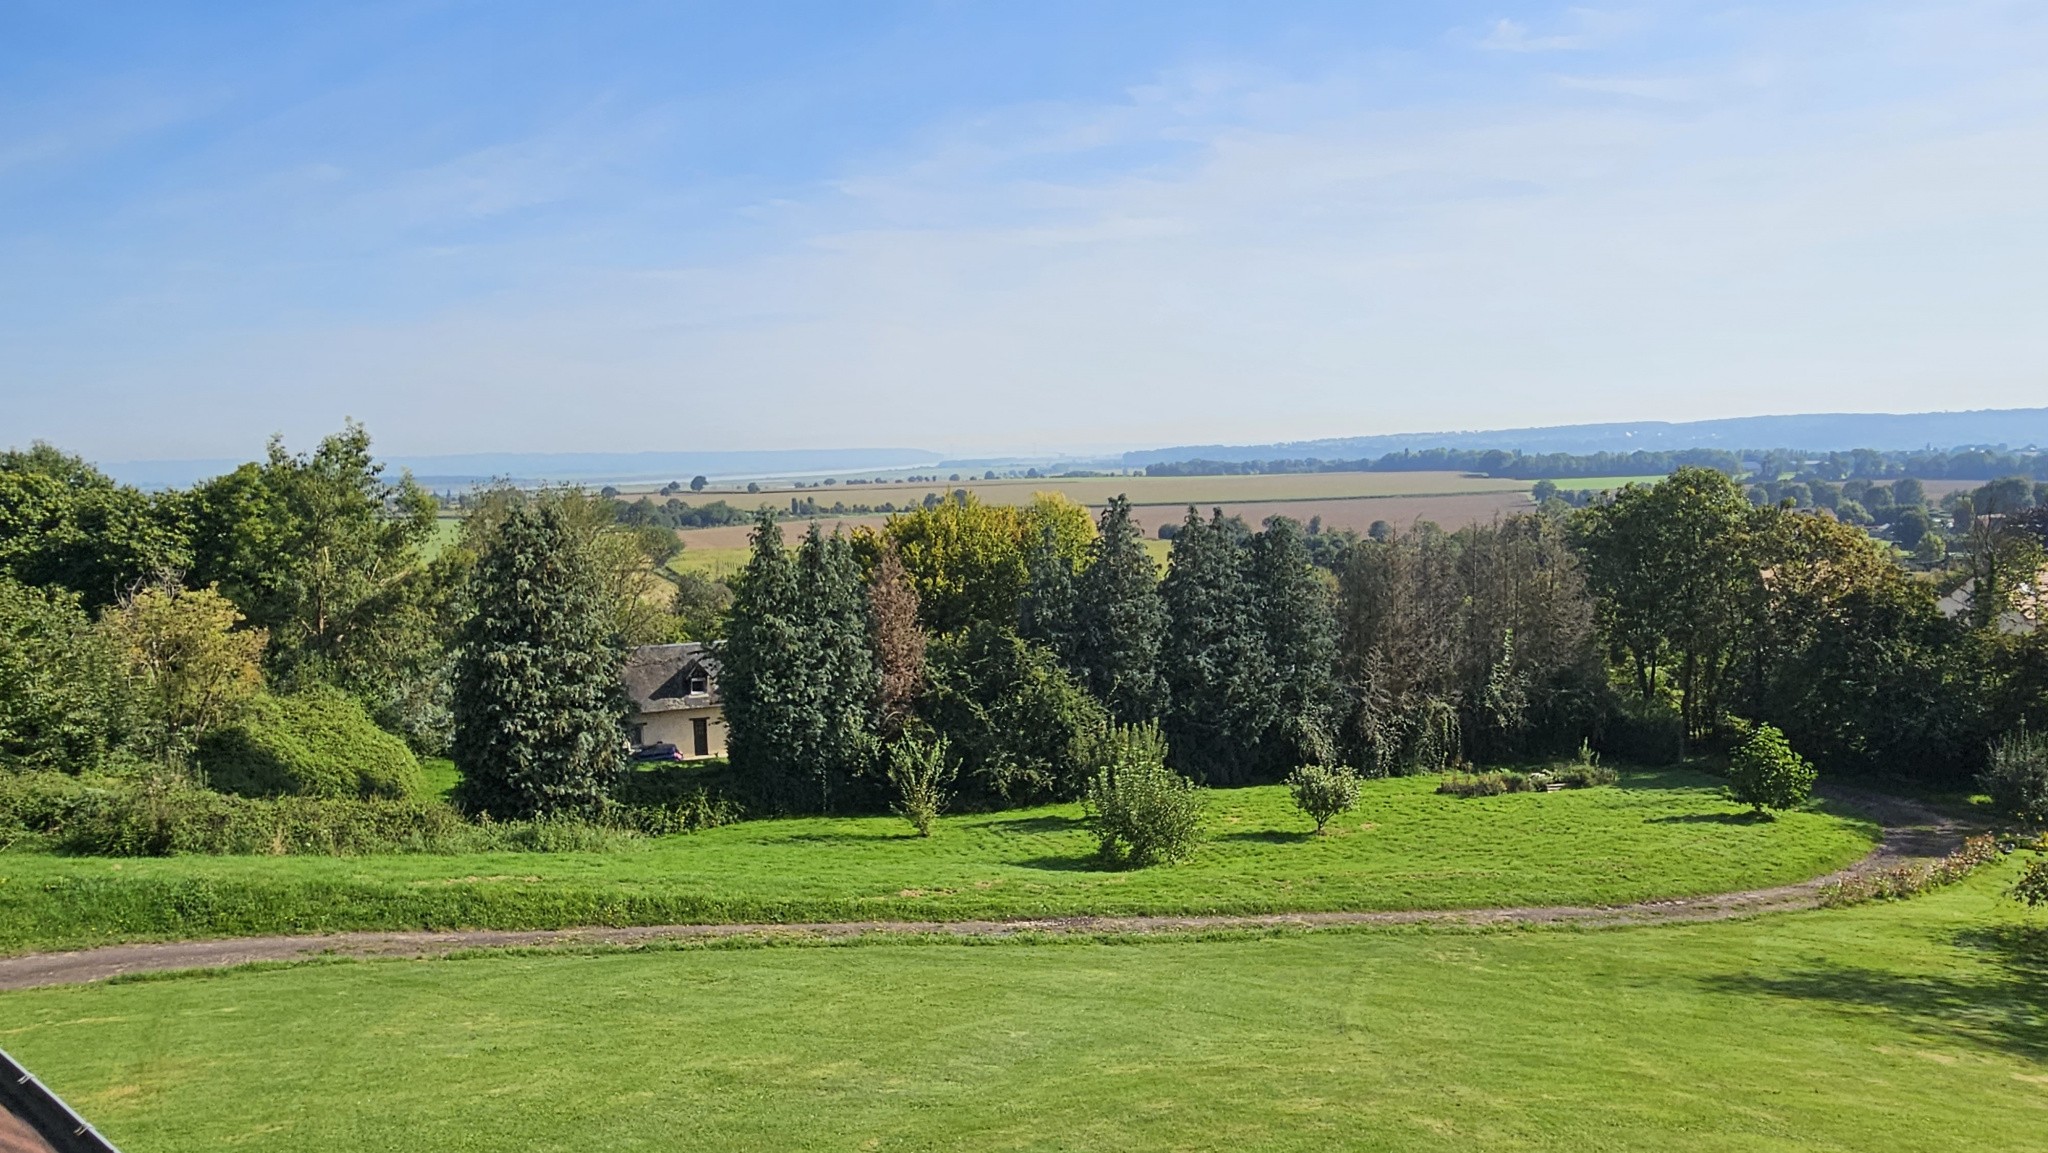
<point x="30" y="1101"/>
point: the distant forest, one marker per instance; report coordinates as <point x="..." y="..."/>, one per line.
<point x="1858" y="464"/>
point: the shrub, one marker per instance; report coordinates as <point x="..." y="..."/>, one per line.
<point x="1914" y="879"/>
<point x="314" y="744"/>
<point x="1585" y="776"/>
<point x="2017" y="777"/>
<point x="1485" y="784"/>
<point x="2032" y="887"/>
<point x="1144" y="813"/>
<point x="1323" y="791"/>
<point x="919" y="772"/>
<point x="160" y="815"/>
<point x="1765" y="773"/>
<point x="1586" y="771"/>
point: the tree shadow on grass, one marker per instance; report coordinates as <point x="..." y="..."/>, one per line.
<point x="1085" y="864"/>
<point x="1028" y="825"/>
<point x="1268" y="837"/>
<point x="2002" y="1005"/>
<point x="1742" y="818"/>
<point x="847" y="838"/>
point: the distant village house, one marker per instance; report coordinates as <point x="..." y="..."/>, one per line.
<point x="674" y="695"/>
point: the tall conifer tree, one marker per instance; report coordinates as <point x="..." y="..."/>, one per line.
<point x="1218" y="671"/>
<point x="797" y="674"/>
<point x="762" y="674"/>
<point x="1045" y="614"/>
<point x="1301" y="640"/>
<point x="833" y="609"/>
<point x="537" y="699"/>
<point x="1120" y="621"/>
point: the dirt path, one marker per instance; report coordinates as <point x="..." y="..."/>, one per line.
<point x="1911" y="832"/>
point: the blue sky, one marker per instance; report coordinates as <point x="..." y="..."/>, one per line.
<point x="1006" y="227"/>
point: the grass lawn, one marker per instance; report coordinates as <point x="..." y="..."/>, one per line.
<point x="441" y="776"/>
<point x="1914" y="1026"/>
<point x="1663" y="834"/>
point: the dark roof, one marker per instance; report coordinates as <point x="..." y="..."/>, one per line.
<point x="658" y="677"/>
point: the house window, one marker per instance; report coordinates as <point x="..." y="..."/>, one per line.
<point x="639" y="735"/>
<point x="700" y="735"/>
<point x="697" y="681"/>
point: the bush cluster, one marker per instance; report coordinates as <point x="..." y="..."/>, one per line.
<point x="1485" y="784"/>
<point x="318" y="743"/>
<point x="2017" y="777"/>
<point x="1585" y="774"/>
<point x="1144" y="813"/>
<point x="121" y="817"/>
<point x="1914" y="879"/>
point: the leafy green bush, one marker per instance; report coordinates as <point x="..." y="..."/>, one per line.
<point x="1144" y="813"/>
<point x="1485" y="784"/>
<point x="2017" y="777"/>
<point x="314" y="744"/>
<point x="1585" y="776"/>
<point x="2032" y="887"/>
<point x="919" y="772"/>
<point x="160" y="816"/>
<point x="1015" y="718"/>
<point x="1765" y="773"/>
<point x="1323" y="791"/>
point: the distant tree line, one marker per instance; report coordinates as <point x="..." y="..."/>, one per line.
<point x="1765" y="464"/>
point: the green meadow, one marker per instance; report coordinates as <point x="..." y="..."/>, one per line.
<point x="1915" y="1026"/>
<point x="1664" y="833"/>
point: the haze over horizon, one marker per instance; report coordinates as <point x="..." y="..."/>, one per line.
<point x="982" y="229"/>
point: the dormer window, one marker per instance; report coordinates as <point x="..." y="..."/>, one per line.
<point x="696" y="681"/>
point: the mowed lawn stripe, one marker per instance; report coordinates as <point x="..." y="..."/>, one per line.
<point x="1909" y="1026"/>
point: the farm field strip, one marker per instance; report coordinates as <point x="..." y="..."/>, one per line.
<point x="1142" y="490"/>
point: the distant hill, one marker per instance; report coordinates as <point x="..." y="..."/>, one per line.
<point x="462" y="469"/>
<point x="2011" y="428"/>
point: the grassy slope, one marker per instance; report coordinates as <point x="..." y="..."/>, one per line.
<point x="1916" y="1026"/>
<point x="1665" y="834"/>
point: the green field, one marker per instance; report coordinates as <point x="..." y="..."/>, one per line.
<point x="1598" y="483"/>
<point x="1912" y="1027"/>
<point x="1663" y="834"/>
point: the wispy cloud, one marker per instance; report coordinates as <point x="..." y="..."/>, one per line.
<point x="1788" y="218"/>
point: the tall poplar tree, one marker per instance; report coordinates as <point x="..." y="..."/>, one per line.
<point x="1219" y="674"/>
<point x="1120" y="621"/>
<point x="537" y="698"/>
